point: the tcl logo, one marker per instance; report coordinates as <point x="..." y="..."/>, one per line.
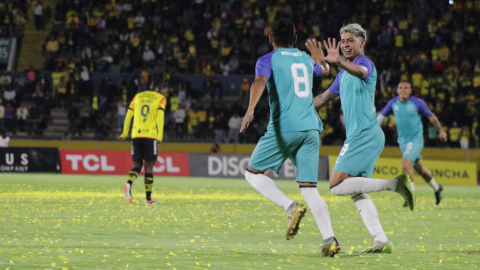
<point x="166" y="164"/>
<point x="119" y="162"/>
<point x="90" y="162"/>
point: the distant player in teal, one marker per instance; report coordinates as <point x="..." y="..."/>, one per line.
<point x="355" y="84"/>
<point x="293" y="130"/>
<point x="407" y="110"/>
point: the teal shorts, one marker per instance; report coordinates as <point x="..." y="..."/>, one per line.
<point x="302" y="147"/>
<point x="359" y="154"/>
<point x="411" y="150"/>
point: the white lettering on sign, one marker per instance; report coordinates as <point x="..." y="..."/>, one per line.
<point x="227" y="166"/>
<point x="10" y="158"/>
<point x="90" y="162"/>
<point x="165" y="164"/>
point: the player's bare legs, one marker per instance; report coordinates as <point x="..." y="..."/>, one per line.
<point x="149" y="182"/>
<point x="427" y="176"/>
<point x="407" y="168"/>
<point x="132" y="176"/>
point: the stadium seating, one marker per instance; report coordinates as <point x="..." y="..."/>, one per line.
<point x="433" y="44"/>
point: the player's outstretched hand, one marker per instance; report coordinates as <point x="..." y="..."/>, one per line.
<point x="442" y="136"/>
<point x="159" y="142"/>
<point x="120" y="138"/>
<point x="333" y="55"/>
<point x="316" y="51"/>
<point x="246" y="121"/>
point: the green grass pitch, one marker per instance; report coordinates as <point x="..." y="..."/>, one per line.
<point x="82" y="222"/>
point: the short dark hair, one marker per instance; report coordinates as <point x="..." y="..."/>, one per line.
<point x="283" y="31"/>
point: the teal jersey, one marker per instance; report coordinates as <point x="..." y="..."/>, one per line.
<point x="290" y="78"/>
<point x="407" y="117"/>
<point x="357" y="97"/>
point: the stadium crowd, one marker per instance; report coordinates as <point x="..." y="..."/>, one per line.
<point x="432" y="44"/>
<point x="13" y="17"/>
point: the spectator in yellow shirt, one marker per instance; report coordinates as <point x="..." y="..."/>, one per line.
<point x="444" y="53"/>
<point x="192" y="121"/>
<point x="476" y="83"/>
<point x="464" y="137"/>
<point x="52" y="48"/>
<point x="130" y="22"/>
<point x="73" y="21"/>
<point x="454" y="135"/>
<point x="417" y="79"/>
<point x="245" y="89"/>
<point x="202" y="129"/>
<point x="56" y="75"/>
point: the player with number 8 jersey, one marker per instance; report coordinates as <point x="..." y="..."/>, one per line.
<point x="293" y="130"/>
<point x="147" y="110"/>
<point x="288" y="69"/>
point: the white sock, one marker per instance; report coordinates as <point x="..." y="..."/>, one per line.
<point x="268" y="188"/>
<point x="319" y="210"/>
<point x="369" y="213"/>
<point x="356" y="185"/>
<point x="412" y="185"/>
<point x="433" y="184"/>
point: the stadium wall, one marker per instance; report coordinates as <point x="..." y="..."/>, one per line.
<point x="471" y="155"/>
<point x="185" y="159"/>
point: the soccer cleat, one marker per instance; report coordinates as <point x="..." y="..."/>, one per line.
<point x="379" y="247"/>
<point x="151" y="202"/>
<point x="330" y="249"/>
<point x="438" y="195"/>
<point x="128" y="192"/>
<point x="294" y="218"/>
<point x="404" y="189"/>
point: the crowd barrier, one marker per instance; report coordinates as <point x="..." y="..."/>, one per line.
<point x="113" y="162"/>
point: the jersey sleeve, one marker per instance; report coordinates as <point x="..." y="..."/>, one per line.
<point x="132" y="104"/>
<point x="264" y="66"/>
<point x="422" y="107"/>
<point x="388" y="109"/>
<point x="317" y="69"/>
<point x="335" y="87"/>
<point x="162" y="104"/>
<point x="365" y="62"/>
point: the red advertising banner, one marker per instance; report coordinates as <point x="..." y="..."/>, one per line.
<point x="119" y="162"/>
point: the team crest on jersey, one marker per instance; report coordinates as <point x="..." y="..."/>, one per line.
<point x="396" y="108"/>
<point x="409" y="107"/>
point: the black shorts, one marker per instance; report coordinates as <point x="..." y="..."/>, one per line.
<point x="144" y="149"/>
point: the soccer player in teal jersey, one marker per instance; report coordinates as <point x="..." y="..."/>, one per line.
<point x="407" y="110"/>
<point x="293" y="130"/>
<point x="353" y="169"/>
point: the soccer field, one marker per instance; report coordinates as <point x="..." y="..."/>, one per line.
<point x="52" y="221"/>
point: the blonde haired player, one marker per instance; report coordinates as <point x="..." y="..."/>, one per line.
<point x="353" y="169"/>
<point x="147" y="110"/>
